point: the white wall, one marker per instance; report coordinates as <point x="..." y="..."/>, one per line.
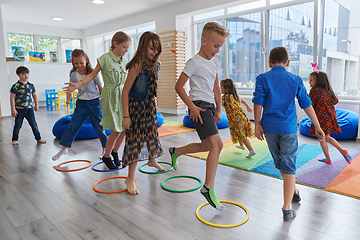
<point x="4" y="92"/>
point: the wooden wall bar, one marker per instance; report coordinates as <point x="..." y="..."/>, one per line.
<point x="172" y="60"/>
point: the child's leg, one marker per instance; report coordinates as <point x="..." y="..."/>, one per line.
<point x="343" y="152"/>
<point x="325" y="148"/>
<point x="112" y="139"/>
<point x="289" y="189"/>
<point x="30" y="117"/>
<point x="211" y="166"/>
<point x="130" y="180"/>
<point x="116" y="148"/>
<point x="250" y="148"/>
<point x="95" y="116"/>
<point x="18" y="124"/>
<point x="63" y="151"/>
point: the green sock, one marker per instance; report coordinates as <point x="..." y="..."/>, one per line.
<point x="174" y="157"/>
<point x="210" y="195"/>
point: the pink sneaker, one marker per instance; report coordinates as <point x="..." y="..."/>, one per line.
<point x="347" y="156"/>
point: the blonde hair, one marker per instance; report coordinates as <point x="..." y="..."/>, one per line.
<point x="119" y="38"/>
<point x="140" y="54"/>
<point x="214" y="27"/>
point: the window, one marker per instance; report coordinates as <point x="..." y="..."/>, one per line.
<point x="134" y="35"/>
<point x="244" y="49"/>
<point x="21" y="40"/>
<point x="43" y="44"/>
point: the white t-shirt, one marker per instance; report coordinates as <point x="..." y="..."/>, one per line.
<point x="202" y="74"/>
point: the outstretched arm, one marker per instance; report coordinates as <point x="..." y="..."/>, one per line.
<point x="88" y="78"/>
<point x="318" y="131"/>
<point x="248" y="108"/>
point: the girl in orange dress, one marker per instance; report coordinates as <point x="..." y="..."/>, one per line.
<point x="239" y="124"/>
<point x="323" y="100"/>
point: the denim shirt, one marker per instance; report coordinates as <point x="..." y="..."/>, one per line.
<point x="141" y="86"/>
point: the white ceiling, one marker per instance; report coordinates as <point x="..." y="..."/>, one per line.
<point x="78" y="14"/>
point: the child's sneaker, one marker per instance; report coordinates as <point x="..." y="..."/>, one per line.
<point x="209" y="194"/>
<point x="347" y="156"/>
<point x="328" y="161"/>
<point x="174" y="157"/>
<point x="242" y="147"/>
<point x="288" y="214"/>
<point x="296" y="197"/>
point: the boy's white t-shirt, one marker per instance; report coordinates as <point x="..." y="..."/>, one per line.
<point x="202" y="74"/>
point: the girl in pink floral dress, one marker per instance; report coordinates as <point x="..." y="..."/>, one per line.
<point x="239" y="124"/>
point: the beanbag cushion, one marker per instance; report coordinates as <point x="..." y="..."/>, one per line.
<point x="348" y="122"/>
<point x="85" y="132"/>
<point x="222" y="124"/>
<point x="160" y="119"/>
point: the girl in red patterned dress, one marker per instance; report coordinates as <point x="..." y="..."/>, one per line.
<point x="239" y="124"/>
<point x="323" y="101"/>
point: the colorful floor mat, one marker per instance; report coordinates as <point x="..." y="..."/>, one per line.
<point x="171" y="128"/>
<point x="339" y="177"/>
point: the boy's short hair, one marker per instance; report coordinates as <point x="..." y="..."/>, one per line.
<point x="214" y="27"/>
<point x="278" y="55"/>
<point x="22" y="69"/>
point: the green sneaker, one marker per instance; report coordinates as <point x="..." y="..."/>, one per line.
<point x="174" y="157"/>
<point x="211" y="197"/>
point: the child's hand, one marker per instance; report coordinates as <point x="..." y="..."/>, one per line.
<point x="36" y="108"/>
<point x="259" y="132"/>
<point x="14" y="113"/>
<point x="250" y="110"/>
<point x="194" y="114"/>
<point x="126" y="122"/>
<point x="217" y="116"/>
<point x="70" y="88"/>
<point x="68" y="102"/>
<point x="320" y="134"/>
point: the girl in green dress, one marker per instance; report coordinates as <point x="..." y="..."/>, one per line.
<point x="113" y="70"/>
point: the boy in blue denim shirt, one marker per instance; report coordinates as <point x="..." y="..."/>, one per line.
<point x="21" y="105"/>
<point x="274" y="99"/>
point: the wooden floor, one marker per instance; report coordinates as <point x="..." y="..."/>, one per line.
<point x="38" y="202"/>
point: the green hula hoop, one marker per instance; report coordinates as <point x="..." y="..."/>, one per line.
<point x="181" y="191"/>
<point x="158" y="172"/>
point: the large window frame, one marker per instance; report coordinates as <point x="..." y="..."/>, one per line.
<point x="264" y="31"/>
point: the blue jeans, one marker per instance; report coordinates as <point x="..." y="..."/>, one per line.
<point x="283" y="147"/>
<point x="84" y="109"/>
<point x="30" y="117"/>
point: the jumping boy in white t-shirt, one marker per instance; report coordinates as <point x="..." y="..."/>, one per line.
<point x="202" y="70"/>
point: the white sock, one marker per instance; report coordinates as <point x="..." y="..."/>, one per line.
<point x="241" y="146"/>
<point x="59" y="154"/>
<point x="251" y="153"/>
<point x="102" y="153"/>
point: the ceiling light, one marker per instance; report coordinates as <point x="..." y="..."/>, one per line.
<point x="57" y="18"/>
<point x="98" y="1"/>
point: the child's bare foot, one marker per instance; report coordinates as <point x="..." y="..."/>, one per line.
<point x="153" y="163"/>
<point x="131" y="186"/>
<point x="41" y="141"/>
<point x="14" y="143"/>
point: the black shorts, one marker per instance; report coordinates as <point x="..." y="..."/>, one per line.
<point x="208" y="128"/>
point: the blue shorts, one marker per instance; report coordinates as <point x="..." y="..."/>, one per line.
<point x="283" y="147"/>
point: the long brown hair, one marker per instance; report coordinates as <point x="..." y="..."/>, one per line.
<point x="230" y="88"/>
<point x="119" y="37"/>
<point x="140" y="55"/>
<point x="322" y="82"/>
<point x="79" y="53"/>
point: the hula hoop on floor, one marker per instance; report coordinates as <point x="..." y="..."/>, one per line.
<point x="100" y="191"/>
<point x="181" y="191"/>
<point x="72" y="170"/>
<point x="158" y="172"/>
<point x="219" y="225"/>
<point x="108" y="170"/>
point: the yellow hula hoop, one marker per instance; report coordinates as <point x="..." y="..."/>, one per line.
<point x="219" y="225"/>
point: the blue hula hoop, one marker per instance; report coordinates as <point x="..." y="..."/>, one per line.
<point x="108" y="170"/>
